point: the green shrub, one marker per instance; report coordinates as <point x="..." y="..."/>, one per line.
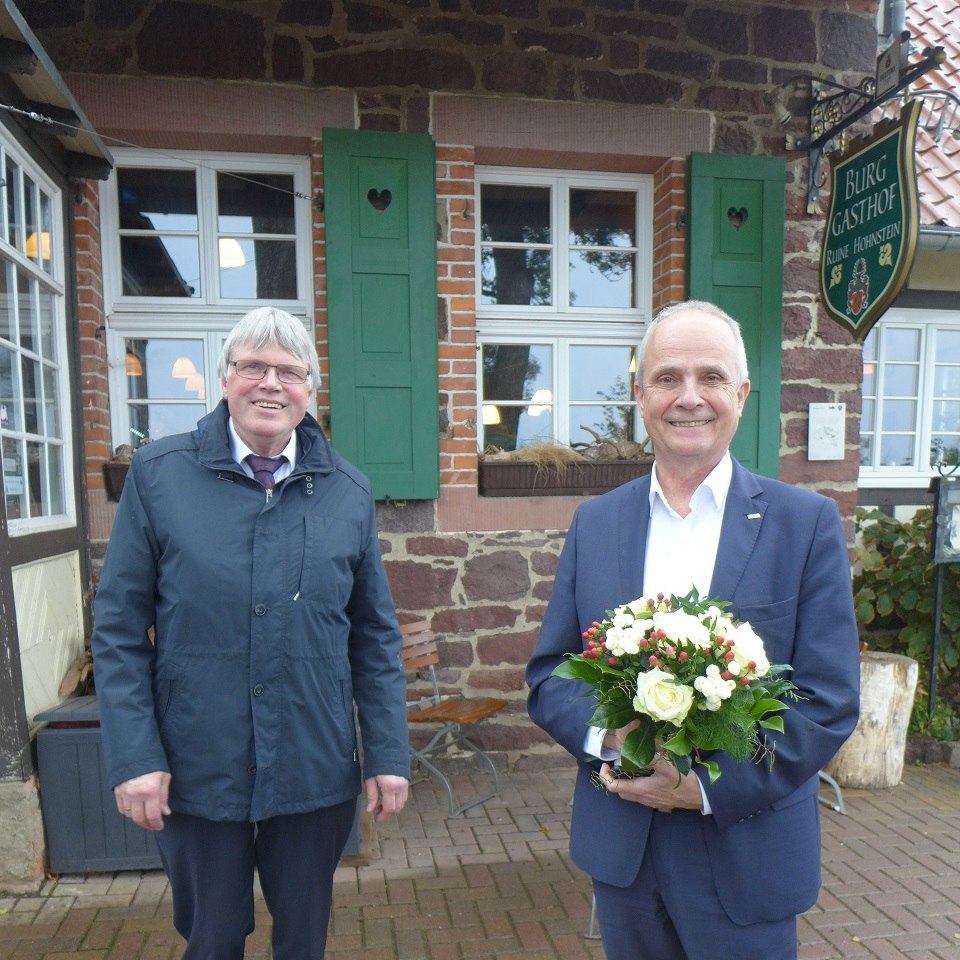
<point x="894" y="588"/>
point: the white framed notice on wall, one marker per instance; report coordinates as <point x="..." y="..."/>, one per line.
<point x="827" y="431"/>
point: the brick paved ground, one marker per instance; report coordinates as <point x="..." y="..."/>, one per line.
<point x="497" y="883"/>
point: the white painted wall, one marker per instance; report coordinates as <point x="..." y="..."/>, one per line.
<point x="50" y="624"/>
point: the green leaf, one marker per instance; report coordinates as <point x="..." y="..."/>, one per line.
<point x="772" y="723"/>
<point x="576" y="670"/>
<point x="640" y="746"/>
<point x="713" y="771"/>
<point x="613" y="716"/>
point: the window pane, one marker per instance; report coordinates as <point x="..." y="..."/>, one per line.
<point x="14" y="212"/>
<point x="896" y="451"/>
<point x="166" y="387"/>
<point x="36" y="478"/>
<point x="162" y="369"/>
<point x="511" y="214"/>
<point x="612" y="422"/>
<point x="901" y="344"/>
<point x="516" y="371"/>
<point x="513" y="373"/>
<point x="30" y="372"/>
<point x="601" y="373"/>
<point x="258" y="269"/>
<point x="157" y="199"/>
<point x="55" y="502"/>
<point x="510" y="276"/>
<point x="45" y="320"/>
<point x="946" y="416"/>
<point x="899" y="415"/>
<point x="29" y="324"/>
<point x="30" y="228"/>
<point x="948" y="346"/>
<point x="867" y="414"/>
<point x="10" y="418"/>
<point x="46" y="232"/>
<point x="944" y="450"/>
<point x="900" y="380"/>
<point x="160" y="266"/>
<point x="603" y="218"/>
<point x="601" y="278"/>
<point x="14" y="483"/>
<point x="869" y="387"/>
<point x="946" y="381"/>
<point x="7" y="319"/>
<point x="255" y="203"/>
<point x="866" y="450"/>
<point x="51" y="403"/>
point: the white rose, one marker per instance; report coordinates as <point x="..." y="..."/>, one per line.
<point x="748" y="648"/>
<point x="661" y="696"/>
<point x="681" y="627"/>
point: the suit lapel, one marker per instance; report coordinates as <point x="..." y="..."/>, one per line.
<point x="632" y="523"/>
<point x="742" y="519"/>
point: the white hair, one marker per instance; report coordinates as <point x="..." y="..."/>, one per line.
<point x="703" y="306"/>
<point x="268" y="325"/>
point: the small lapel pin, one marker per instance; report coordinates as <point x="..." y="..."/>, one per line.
<point x="754" y="516"/>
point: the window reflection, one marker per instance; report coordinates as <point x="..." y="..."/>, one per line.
<point x="166" y="386"/>
<point x="518" y="394"/>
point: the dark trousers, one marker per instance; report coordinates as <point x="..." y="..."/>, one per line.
<point x="211" y="864"/>
<point x="672" y="912"/>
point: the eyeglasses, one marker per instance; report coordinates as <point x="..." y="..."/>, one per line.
<point x="255" y="370"/>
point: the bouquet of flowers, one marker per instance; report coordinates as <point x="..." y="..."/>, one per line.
<point x="690" y="677"/>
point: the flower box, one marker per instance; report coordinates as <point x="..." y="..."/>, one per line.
<point x="114" y="473"/>
<point x="513" y="478"/>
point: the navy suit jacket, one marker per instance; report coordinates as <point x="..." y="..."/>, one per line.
<point x="782" y="562"/>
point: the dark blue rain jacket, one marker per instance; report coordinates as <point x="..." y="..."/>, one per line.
<point x="272" y="619"/>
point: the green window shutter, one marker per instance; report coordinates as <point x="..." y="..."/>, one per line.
<point x="380" y="214"/>
<point x="735" y="259"/>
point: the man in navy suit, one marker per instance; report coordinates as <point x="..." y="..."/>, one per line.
<point x="688" y="870"/>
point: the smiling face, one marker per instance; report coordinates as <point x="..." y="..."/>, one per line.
<point x="265" y="412"/>
<point x="689" y="397"/>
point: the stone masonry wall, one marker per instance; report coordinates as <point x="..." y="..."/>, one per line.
<point x="484" y="596"/>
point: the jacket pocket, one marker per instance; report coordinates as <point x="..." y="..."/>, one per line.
<point x="331" y="549"/>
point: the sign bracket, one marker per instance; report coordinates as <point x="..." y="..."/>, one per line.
<point x="836" y="107"/>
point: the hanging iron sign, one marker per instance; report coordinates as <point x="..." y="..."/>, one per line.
<point x="870" y="236"/>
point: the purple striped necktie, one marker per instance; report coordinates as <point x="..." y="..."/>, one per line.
<point x="264" y="467"/>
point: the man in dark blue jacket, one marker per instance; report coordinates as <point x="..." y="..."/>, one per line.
<point x="243" y="619"/>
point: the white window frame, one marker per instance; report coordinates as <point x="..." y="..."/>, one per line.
<point x="209" y="317"/>
<point x="926" y="322"/>
<point x="53" y="282"/>
<point x="559" y="324"/>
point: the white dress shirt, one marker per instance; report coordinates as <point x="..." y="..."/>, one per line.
<point x="240" y="451"/>
<point x="681" y="553"/>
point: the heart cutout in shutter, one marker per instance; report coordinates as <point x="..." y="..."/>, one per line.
<point x="737" y="217"/>
<point x="379" y="199"/>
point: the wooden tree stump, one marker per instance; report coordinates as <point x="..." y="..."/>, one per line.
<point x="873" y="756"/>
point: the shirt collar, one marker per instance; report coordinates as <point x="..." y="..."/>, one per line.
<point x="715" y="484"/>
<point x="239" y="450"/>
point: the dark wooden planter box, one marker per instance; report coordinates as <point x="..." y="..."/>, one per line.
<point x="114" y="473"/>
<point x="517" y="479"/>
